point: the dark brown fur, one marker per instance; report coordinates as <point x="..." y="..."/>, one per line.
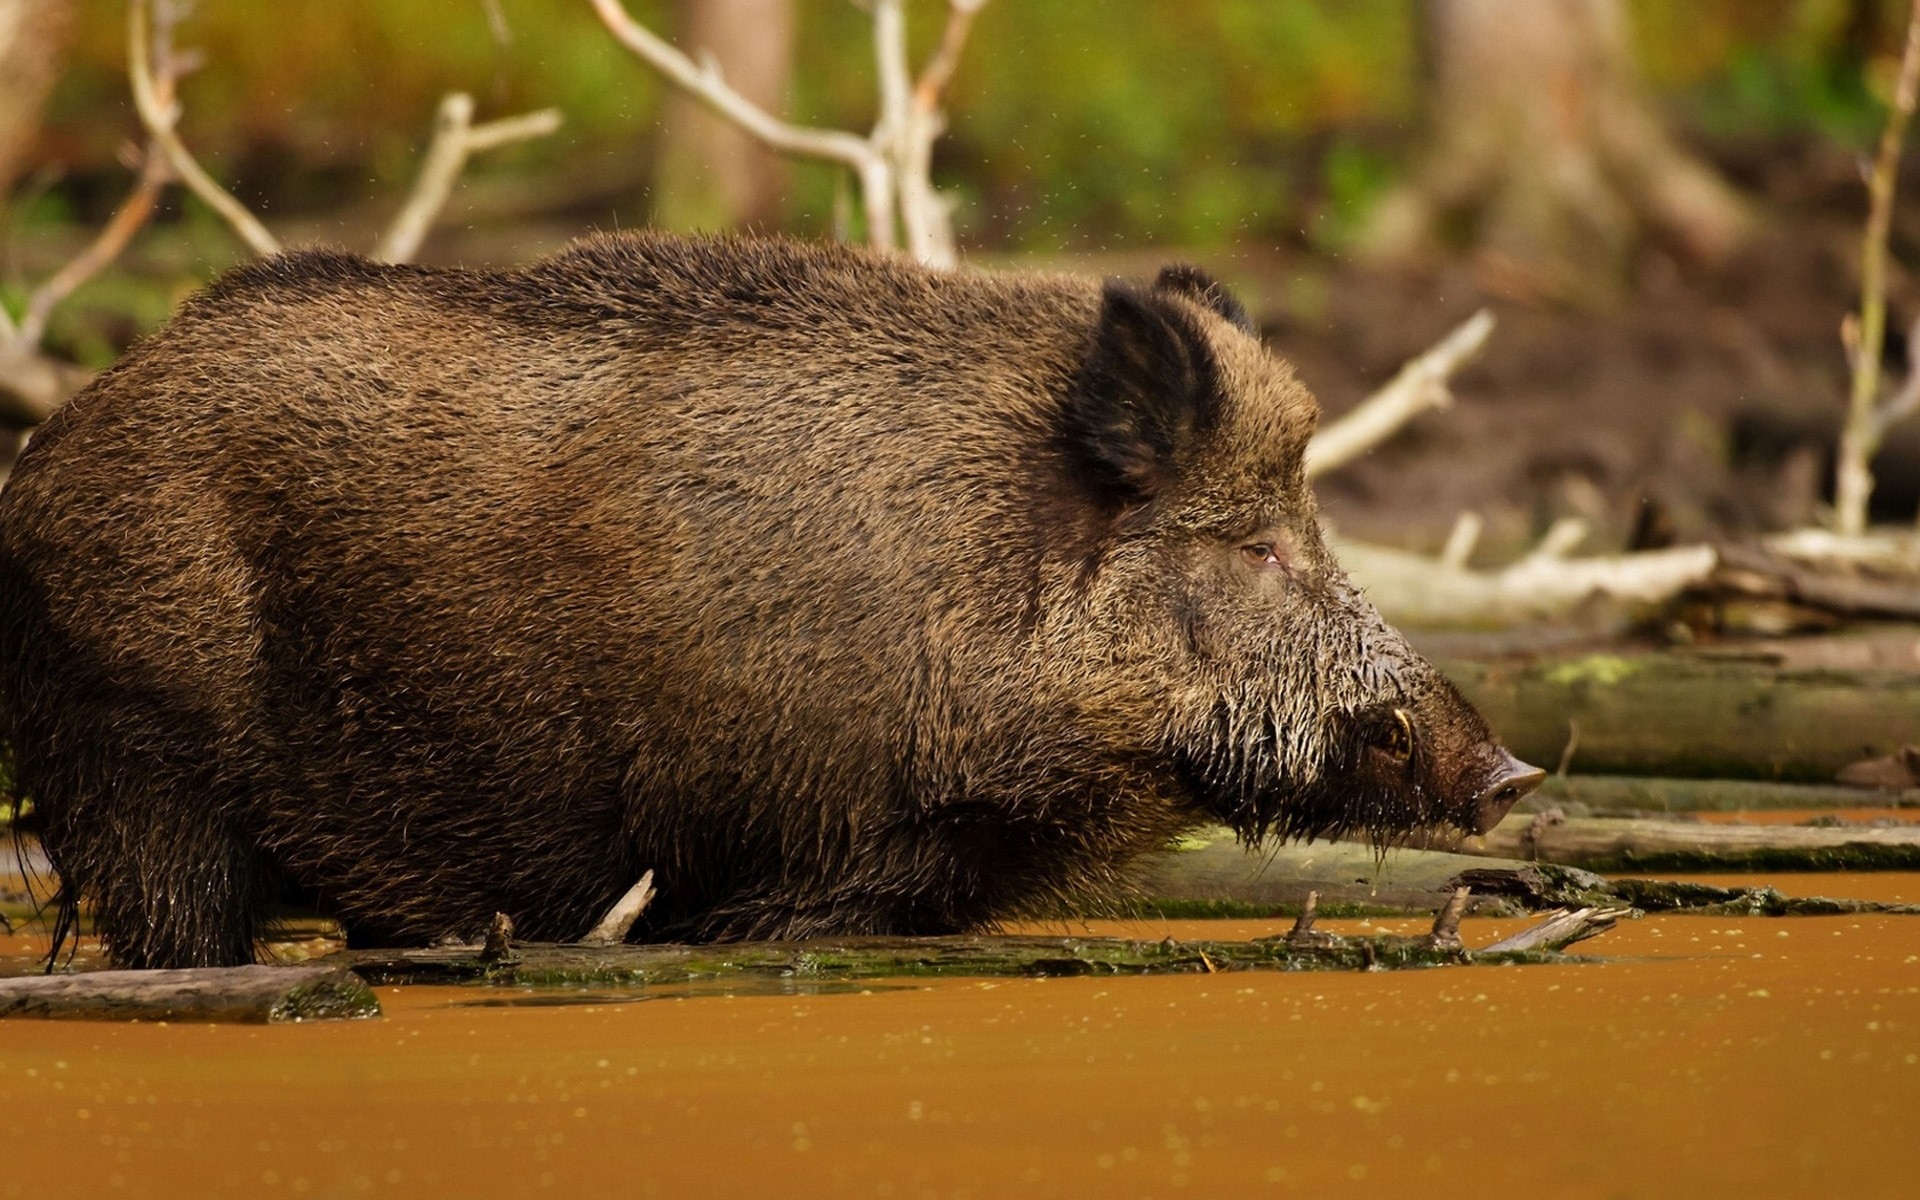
<point x="846" y="595"/>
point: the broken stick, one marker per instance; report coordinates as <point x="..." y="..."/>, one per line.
<point x="612" y="929"/>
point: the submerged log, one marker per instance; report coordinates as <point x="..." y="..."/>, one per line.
<point x="1693" y="715"/>
<point x="1625" y="844"/>
<point x="256" y="994"/>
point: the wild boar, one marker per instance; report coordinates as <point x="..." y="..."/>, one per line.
<point x="846" y="595"/>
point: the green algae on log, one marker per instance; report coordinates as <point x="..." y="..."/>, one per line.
<point x="1692" y="715"/>
<point x="255" y="995"/>
<point x="1209" y="873"/>
<point x="1626" y="844"/>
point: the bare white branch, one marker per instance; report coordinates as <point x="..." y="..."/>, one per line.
<point x="159" y="114"/>
<point x="455" y="139"/>
<point x="704" y="83"/>
<point x="893" y="131"/>
<point x="1422" y="591"/>
<point x="1420" y="386"/>
<point x="925" y="215"/>
<point x="893" y="163"/>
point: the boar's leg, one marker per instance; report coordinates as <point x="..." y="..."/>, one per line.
<point x="140" y="811"/>
<point x="171" y="882"/>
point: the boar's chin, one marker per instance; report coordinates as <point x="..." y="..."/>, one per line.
<point x="1338" y="807"/>
<point x="1338" y="803"/>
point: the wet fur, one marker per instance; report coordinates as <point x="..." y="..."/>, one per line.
<point x="845" y="595"/>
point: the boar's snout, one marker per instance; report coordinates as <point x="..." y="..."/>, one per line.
<point x="1508" y="782"/>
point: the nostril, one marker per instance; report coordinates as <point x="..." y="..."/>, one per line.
<point x="1514" y="780"/>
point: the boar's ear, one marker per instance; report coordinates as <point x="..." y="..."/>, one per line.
<point x="1146" y="388"/>
<point x="1206" y="291"/>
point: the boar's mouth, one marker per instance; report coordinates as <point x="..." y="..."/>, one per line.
<point x="1354" y="790"/>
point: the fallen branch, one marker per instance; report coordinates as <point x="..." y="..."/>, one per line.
<point x="1806" y="576"/>
<point x="257" y="994"/>
<point x="1416" y="590"/>
<point x="1628" y="844"/>
<point x="1420" y="386"/>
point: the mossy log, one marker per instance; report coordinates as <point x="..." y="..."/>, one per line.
<point x="1579" y="795"/>
<point x="1684" y="715"/>
<point x="1212" y="875"/>
<point x="256" y="995"/>
<point x="1626" y="844"/>
<point x="787" y="966"/>
<point x="1704" y="899"/>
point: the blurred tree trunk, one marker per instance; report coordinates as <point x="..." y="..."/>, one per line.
<point x="1545" y="154"/>
<point x="708" y="173"/>
<point x="33" y="41"/>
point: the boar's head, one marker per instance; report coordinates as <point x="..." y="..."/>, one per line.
<point x="1282" y="701"/>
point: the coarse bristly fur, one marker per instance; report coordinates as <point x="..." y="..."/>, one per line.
<point x="848" y="596"/>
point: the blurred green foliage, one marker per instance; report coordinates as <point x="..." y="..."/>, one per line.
<point x="1074" y="123"/>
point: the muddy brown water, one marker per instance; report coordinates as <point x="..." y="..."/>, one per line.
<point x="1703" y="1056"/>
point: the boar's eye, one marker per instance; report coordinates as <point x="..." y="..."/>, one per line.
<point x="1265" y="555"/>
<point x="1396" y="736"/>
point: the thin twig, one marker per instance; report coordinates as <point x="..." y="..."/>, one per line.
<point x="704" y="83"/>
<point x="938" y="72"/>
<point x="455" y="139"/>
<point x="159" y="115"/>
<point x="1421" y="385"/>
<point x="1901" y="404"/>
<point x="107" y="245"/>
<point x="1853" y="481"/>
